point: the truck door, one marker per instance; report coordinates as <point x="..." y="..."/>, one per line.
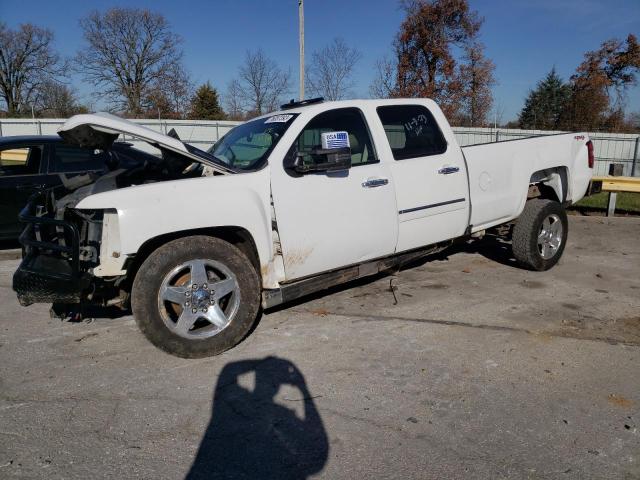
<point x="429" y="172"/>
<point x="328" y="220"/>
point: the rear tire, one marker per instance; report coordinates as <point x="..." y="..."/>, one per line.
<point x="540" y="234"/>
<point x="196" y="297"/>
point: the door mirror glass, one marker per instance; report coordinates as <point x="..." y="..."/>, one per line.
<point x="323" y="160"/>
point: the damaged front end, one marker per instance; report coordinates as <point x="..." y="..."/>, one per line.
<point x="71" y="255"/>
<point x="58" y="252"/>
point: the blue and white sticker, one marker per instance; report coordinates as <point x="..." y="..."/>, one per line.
<point x="279" y="119"/>
<point x="335" y="140"/>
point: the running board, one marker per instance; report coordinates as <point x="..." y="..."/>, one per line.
<point x="299" y="288"/>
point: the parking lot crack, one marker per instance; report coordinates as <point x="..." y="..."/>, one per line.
<point x="454" y="323"/>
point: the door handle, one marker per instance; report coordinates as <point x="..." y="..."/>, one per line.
<point x="375" y="182"/>
<point x="448" y="170"/>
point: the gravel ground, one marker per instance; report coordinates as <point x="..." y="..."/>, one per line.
<point x="480" y="370"/>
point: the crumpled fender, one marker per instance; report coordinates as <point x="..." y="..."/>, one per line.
<point x="155" y="209"/>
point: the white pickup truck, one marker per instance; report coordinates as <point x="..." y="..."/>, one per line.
<point x="284" y="205"/>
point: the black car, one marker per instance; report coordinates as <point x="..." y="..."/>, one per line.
<point x="31" y="162"/>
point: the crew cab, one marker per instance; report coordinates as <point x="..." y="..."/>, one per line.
<point x="289" y="203"/>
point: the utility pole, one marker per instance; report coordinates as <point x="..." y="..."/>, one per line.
<point x="301" y="24"/>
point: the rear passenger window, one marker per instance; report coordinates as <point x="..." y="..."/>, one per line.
<point x="74" y="159"/>
<point x="411" y="131"/>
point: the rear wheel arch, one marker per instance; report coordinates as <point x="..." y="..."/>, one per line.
<point x="550" y="184"/>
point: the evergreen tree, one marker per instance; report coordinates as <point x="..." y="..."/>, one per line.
<point x="544" y="106"/>
<point x="205" y="104"/>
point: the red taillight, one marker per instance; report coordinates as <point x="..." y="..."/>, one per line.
<point x="592" y="158"/>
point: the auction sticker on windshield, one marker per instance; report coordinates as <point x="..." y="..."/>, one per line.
<point x="279" y="119"/>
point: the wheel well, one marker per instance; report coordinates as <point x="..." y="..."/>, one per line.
<point x="551" y="184"/>
<point x="237" y="236"/>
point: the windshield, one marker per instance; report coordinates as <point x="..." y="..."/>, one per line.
<point x="247" y="146"/>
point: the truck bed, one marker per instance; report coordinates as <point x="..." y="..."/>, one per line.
<point x="498" y="171"/>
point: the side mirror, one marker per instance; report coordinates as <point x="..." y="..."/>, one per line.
<point x="325" y="160"/>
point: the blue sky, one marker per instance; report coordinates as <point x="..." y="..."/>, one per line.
<point x="524" y="38"/>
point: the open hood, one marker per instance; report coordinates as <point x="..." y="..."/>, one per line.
<point x="100" y="130"/>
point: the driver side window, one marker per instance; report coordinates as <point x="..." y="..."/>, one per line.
<point x="348" y="120"/>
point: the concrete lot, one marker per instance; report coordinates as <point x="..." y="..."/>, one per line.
<point x="481" y="370"/>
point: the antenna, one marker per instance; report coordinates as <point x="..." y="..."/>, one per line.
<point x="301" y="40"/>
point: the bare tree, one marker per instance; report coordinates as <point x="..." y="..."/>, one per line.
<point x="233" y="102"/>
<point x="384" y="81"/>
<point x="261" y="83"/>
<point x="171" y="96"/>
<point x="58" y="100"/>
<point x="330" y="73"/>
<point x="131" y="54"/>
<point x="498" y="114"/>
<point x="27" y="59"/>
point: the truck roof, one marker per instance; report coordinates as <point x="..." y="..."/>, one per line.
<point x="356" y="102"/>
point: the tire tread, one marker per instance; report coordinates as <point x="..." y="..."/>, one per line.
<point x="524" y="238"/>
<point x="144" y="296"/>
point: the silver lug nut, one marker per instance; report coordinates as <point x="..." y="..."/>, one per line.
<point x="204" y="310"/>
<point x="194" y="310"/>
<point x="204" y="285"/>
<point x="186" y="304"/>
<point x="194" y="286"/>
<point x="187" y="294"/>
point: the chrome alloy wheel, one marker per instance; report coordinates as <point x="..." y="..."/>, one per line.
<point x="550" y="236"/>
<point x="198" y="299"/>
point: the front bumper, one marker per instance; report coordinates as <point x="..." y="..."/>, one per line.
<point x="50" y="269"/>
<point x="46" y="279"/>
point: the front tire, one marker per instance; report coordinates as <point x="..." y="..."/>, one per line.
<point x="540" y="234"/>
<point x="196" y="297"/>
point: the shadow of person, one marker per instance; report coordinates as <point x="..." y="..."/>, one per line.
<point x="254" y="433"/>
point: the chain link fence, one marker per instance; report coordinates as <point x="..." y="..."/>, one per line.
<point x="609" y="147"/>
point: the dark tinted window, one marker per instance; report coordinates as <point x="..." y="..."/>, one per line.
<point x="348" y="120"/>
<point x="128" y="157"/>
<point x="74" y="159"/>
<point x="20" y="160"/>
<point x="412" y="131"/>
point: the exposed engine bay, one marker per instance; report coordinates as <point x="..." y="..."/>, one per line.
<point x="66" y="242"/>
<point x="170" y="166"/>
